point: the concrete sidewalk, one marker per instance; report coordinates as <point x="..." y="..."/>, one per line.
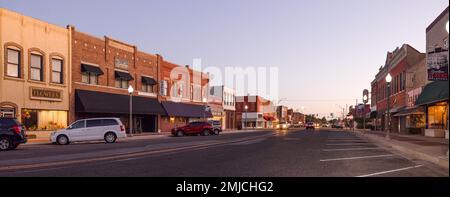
<point x="429" y="149"/>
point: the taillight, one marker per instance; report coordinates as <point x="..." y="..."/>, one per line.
<point x="17" y="129"/>
<point x="122" y="128"/>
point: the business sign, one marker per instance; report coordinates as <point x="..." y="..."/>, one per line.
<point x="437" y="65"/>
<point x="45" y="94"/>
<point x="121" y="63"/>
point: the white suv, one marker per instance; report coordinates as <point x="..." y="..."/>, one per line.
<point x="108" y="129"/>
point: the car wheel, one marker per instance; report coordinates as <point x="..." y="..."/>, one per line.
<point x="62" y="140"/>
<point x="180" y="134"/>
<point x="110" y="137"/>
<point x="216" y="132"/>
<point x="5" y="143"/>
<point x="205" y="132"/>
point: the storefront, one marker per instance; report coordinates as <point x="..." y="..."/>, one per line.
<point x="434" y="98"/>
<point x="414" y="120"/>
<point x="180" y="114"/>
<point x="90" y="104"/>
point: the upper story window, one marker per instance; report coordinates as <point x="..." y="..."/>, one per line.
<point x="123" y="79"/>
<point x="90" y="74"/>
<point x="57" y="71"/>
<point x="148" y="84"/>
<point x="13" y="64"/>
<point x="163" y="89"/>
<point x="36" y="67"/>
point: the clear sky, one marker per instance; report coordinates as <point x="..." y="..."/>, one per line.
<point x="327" y="51"/>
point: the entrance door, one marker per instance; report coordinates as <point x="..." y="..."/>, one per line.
<point x="138" y="124"/>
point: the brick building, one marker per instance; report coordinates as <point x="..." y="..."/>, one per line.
<point x="397" y="63"/>
<point x="102" y="71"/>
<point x="260" y="112"/>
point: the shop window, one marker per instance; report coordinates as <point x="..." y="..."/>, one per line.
<point x="43" y="120"/>
<point x="57" y="71"/>
<point x="437" y="116"/>
<point x="89" y="78"/>
<point x="163" y="90"/>
<point x="13" y="64"/>
<point x="36" y="67"/>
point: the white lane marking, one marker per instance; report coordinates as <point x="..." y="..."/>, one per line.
<point x="344" y="139"/>
<point x="347" y="141"/>
<point x="390" y="171"/>
<point x="353" y="158"/>
<point x="347" y="149"/>
<point x="348" y="144"/>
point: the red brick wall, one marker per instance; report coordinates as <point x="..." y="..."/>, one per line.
<point x="89" y="49"/>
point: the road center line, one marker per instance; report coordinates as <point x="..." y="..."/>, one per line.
<point x="353" y="158"/>
<point x="347" y="149"/>
<point x="390" y="171"/>
<point x="348" y="144"/>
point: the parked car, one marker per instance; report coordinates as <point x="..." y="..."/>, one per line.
<point x="12" y="134"/>
<point x="108" y="129"/>
<point x="217" y="126"/>
<point x="283" y="125"/>
<point x="325" y="125"/>
<point x="310" y="125"/>
<point x="194" y="128"/>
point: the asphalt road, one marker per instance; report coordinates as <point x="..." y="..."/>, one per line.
<point x="293" y="153"/>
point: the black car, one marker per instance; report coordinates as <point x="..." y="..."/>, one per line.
<point x="12" y="134"/>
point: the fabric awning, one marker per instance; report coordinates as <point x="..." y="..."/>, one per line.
<point x="269" y="118"/>
<point x="99" y="102"/>
<point x="433" y="92"/>
<point x="410" y="111"/>
<point x="186" y="110"/>
<point x="91" y="69"/>
<point x="123" y="75"/>
<point x="149" y="81"/>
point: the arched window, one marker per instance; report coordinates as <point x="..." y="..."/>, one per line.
<point x="56" y="68"/>
<point x="13" y="60"/>
<point x="36" y="61"/>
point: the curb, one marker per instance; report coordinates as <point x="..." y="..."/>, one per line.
<point x="442" y="162"/>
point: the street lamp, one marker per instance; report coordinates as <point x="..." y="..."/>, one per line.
<point x="365" y="101"/>
<point x="130" y="91"/>
<point x="388" y="81"/>
<point x="245" y="122"/>
<point x="204" y="110"/>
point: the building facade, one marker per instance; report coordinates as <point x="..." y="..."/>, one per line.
<point x="102" y="71"/>
<point x="34" y="71"/>
<point x="397" y="62"/>
<point x="260" y="112"/>
<point x="434" y="96"/>
<point x="227" y="98"/>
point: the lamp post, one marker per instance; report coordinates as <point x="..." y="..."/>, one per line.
<point x="245" y="122"/>
<point x="388" y="81"/>
<point x="204" y="108"/>
<point x="130" y="91"/>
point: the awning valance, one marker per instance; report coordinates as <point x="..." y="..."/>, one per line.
<point x="148" y="80"/>
<point x="123" y="75"/>
<point x="410" y="111"/>
<point x="186" y="110"/>
<point x="91" y="69"/>
<point x="433" y="92"/>
<point x="99" y="102"/>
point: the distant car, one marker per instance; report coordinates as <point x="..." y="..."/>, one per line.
<point x="12" y="134"/>
<point x="217" y="126"/>
<point x="310" y="125"/>
<point x="325" y="125"/>
<point x="107" y="129"/>
<point x="337" y="126"/>
<point x="283" y="125"/>
<point x="194" y="128"/>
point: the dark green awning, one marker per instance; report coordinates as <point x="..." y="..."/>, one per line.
<point x="433" y="92"/>
<point x="91" y="69"/>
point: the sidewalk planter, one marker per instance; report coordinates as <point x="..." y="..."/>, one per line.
<point x="435" y="133"/>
